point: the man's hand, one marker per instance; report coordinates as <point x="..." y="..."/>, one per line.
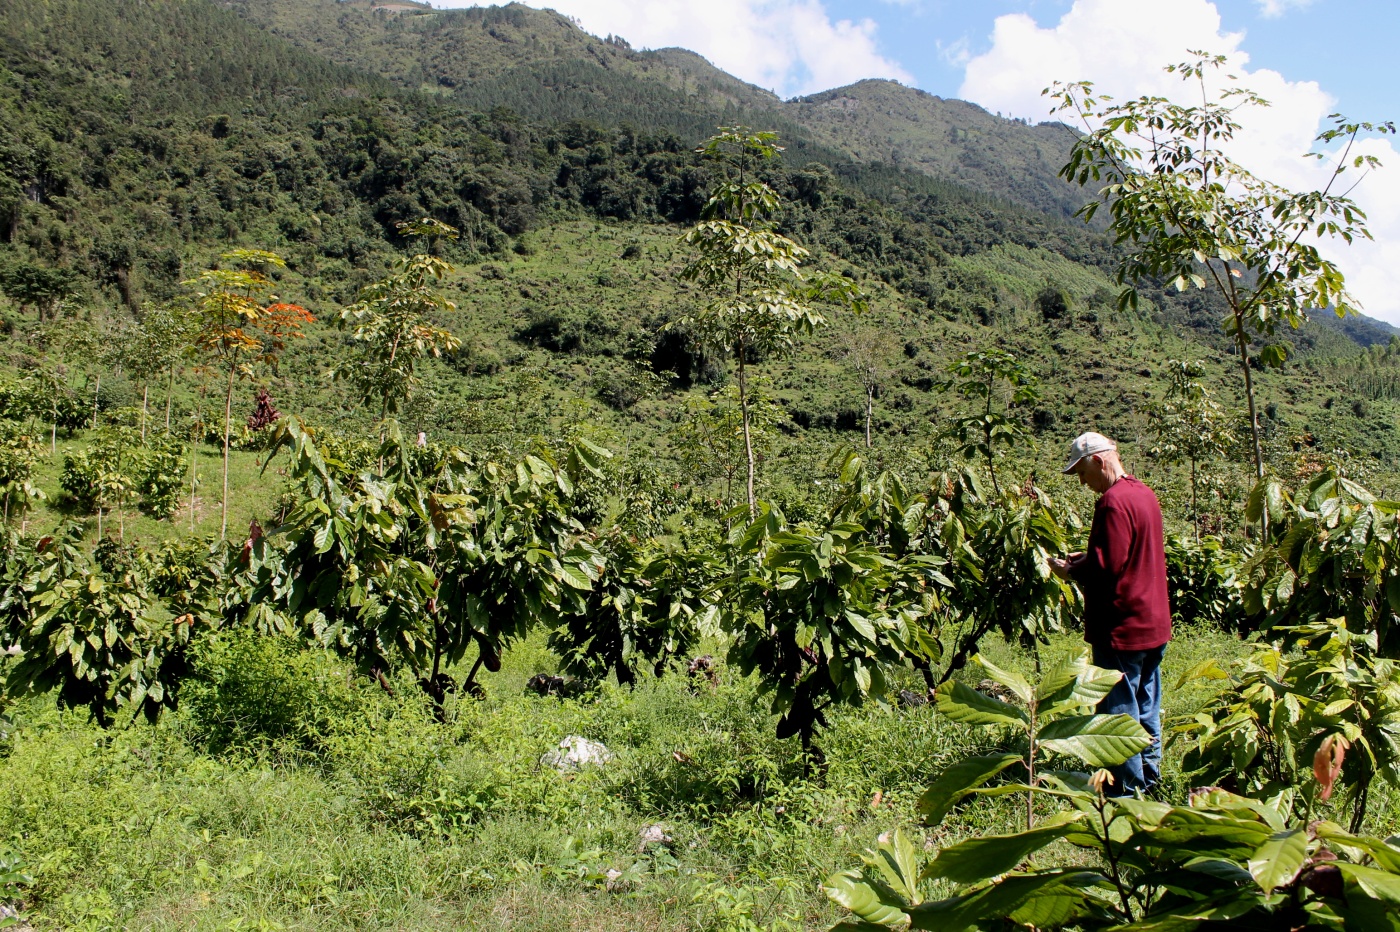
<point x="1061" y="567"/>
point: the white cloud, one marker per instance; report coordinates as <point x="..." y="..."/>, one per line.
<point x="957" y="53"/>
<point x="788" y="46"/>
<point x="1123" y="46"/>
<point x="1273" y="9"/>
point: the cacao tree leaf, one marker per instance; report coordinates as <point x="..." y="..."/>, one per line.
<point x="1279" y="859"/>
<point x="956" y="780"/>
<point x="966" y="705"/>
<point x="851" y="891"/>
<point x="988" y="855"/>
<point x="1098" y="740"/>
<point x="1012" y="681"/>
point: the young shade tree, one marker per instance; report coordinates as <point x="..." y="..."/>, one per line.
<point x="995" y="382"/>
<point x="1187" y="215"/>
<point x="761" y="302"/>
<point x="1191" y="427"/>
<point x="236" y="330"/>
<point x="709" y="439"/>
<point x="393" y="327"/>
<point x="868" y="353"/>
<point x="154" y="350"/>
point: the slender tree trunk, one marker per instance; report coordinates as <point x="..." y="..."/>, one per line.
<point x="169" y="392"/>
<point x="95" y="390"/>
<point x="869" y="410"/>
<point x="228" y="422"/>
<point x="1195" y="509"/>
<point x="987" y="437"/>
<point x="194" y="473"/>
<point x="145" y="393"/>
<point x="748" y="436"/>
<point x="1243" y="346"/>
<point x="1242" y="342"/>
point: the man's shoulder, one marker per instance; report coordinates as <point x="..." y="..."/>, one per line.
<point x="1129" y="492"/>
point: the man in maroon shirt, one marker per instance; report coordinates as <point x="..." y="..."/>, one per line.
<point x="1123" y="575"/>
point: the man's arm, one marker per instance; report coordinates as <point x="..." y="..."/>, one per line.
<point x="1107" y="553"/>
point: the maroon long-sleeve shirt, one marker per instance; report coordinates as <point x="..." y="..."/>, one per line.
<point x="1123" y="573"/>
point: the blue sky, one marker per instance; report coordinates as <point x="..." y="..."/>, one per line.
<point x="1346" y="46"/>
<point x="1309" y="57"/>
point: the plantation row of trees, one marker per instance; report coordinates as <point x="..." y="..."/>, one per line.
<point x="401" y="555"/>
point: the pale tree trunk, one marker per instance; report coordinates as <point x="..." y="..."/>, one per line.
<point x="194" y="474"/>
<point x="169" y="392"/>
<point x="1195" y="508"/>
<point x="96" y="389"/>
<point x="1242" y="343"/>
<point x="145" y="393"/>
<point x="869" y="412"/>
<point x="748" y="437"/>
<point x="228" y="419"/>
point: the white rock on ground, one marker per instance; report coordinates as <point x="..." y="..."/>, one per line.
<point x="652" y="835"/>
<point x="576" y="751"/>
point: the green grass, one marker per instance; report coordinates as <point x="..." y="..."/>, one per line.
<point x="285" y="794"/>
<point x="252" y="492"/>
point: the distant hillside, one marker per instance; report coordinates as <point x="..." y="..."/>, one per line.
<point x="140" y="138"/>
<point x="544" y="67"/>
<point x="887" y="122"/>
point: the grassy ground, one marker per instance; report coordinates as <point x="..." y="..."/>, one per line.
<point x="251" y="493"/>
<point x="286" y="795"/>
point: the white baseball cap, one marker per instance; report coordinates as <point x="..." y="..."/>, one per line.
<point x="1087" y="445"/>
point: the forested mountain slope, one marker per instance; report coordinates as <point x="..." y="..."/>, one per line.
<point x="140" y="139"/>
<point x="548" y="69"/>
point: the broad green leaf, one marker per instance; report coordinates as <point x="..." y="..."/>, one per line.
<point x="1279" y="859"/>
<point x="1386" y="855"/>
<point x="1098" y="740"/>
<point x="986" y="856"/>
<point x="1013" y="894"/>
<point x="1092" y="685"/>
<point x="1206" y="669"/>
<point x="851" y="891"/>
<point x="966" y="705"/>
<point x="1062" y="674"/>
<point x="1012" y="681"/>
<point x="1226" y="906"/>
<point x="898" y="862"/>
<point x="1379" y="884"/>
<point x="954" y="783"/>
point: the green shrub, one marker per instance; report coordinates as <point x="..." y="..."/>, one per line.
<point x="1202" y="577"/>
<point x="161" y="476"/>
<point x="254" y="693"/>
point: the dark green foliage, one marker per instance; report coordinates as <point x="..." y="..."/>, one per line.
<point x="94" y="636"/>
<point x="1331" y="553"/>
<point x="1203" y="581"/>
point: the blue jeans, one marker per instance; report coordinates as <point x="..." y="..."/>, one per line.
<point x="1139" y="695"/>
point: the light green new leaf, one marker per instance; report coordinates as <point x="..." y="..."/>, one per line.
<point x="964" y="704"/>
<point x="1097" y="740"/>
<point x="851" y="891"/>
<point x="1012" y="681"/>
<point x="1279" y="859"/>
<point x="979" y="858"/>
<point x="1062" y="674"/>
<point x="898" y="863"/>
<point x="957" y="780"/>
